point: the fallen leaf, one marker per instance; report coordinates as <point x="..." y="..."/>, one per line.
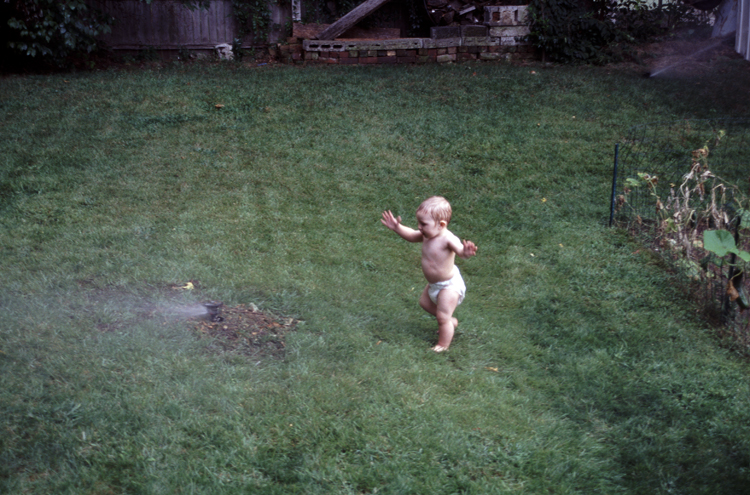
<point x="219" y="106"/>
<point x="491" y="369"/>
<point x="732" y="292"/>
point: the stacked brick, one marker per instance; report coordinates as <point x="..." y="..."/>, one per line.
<point x="500" y="37"/>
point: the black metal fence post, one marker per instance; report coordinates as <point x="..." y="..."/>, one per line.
<point x="614" y="187"/>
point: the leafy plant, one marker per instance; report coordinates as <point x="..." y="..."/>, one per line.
<point x="722" y="243"/>
<point x="694" y="220"/>
<point x="600" y="31"/>
<point x="55" y="30"/>
<point x="253" y="18"/>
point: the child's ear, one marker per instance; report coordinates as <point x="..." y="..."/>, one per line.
<point x="443" y="224"/>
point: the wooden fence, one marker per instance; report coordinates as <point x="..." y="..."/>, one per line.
<point x="168" y="25"/>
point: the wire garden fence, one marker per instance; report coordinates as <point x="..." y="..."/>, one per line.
<point x="682" y="188"/>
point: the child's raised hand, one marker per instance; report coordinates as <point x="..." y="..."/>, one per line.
<point x="390" y="221"/>
<point x="470" y="249"/>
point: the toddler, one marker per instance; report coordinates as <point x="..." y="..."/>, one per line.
<point x="445" y="288"/>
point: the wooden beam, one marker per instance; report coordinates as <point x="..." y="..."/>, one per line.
<point x="357" y="14"/>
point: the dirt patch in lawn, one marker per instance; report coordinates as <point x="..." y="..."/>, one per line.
<point x="245" y="330"/>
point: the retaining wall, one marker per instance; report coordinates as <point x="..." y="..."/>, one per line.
<point x="501" y="36"/>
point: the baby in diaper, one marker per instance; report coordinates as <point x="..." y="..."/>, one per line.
<point x="445" y="289"/>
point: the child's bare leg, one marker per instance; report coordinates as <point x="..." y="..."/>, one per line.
<point x="447" y="301"/>
<point x="431" y="307"/>
<point x="446" y="305"/>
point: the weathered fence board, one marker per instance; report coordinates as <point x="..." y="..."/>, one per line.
<point x="166" y="24"/>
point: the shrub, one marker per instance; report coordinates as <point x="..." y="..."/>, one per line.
<point x="596" y="31"/>
<point x="54" y="30"/>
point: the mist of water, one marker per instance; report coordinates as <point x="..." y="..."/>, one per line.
<point x="184" y="311"/>
<point x="686" y="58"/>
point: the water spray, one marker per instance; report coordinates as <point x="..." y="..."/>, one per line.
<point x="712" y="46"/>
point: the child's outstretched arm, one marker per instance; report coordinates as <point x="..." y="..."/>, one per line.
<point x="465" y="249"/>
<point x="394" y="223"/>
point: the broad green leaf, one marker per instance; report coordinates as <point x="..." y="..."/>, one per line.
<point x="719" y="242"/>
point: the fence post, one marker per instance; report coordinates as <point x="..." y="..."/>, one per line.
<point x="614" y="187"/>
<point x="726" y="306"/>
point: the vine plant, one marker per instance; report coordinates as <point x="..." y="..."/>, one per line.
<point x="696" y="218"/>
<point x="253" y="18"/>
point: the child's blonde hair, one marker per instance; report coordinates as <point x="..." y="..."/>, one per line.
<point x="437" y="207"/>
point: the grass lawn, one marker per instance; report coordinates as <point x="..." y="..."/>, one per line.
<point x="579" y="365"/>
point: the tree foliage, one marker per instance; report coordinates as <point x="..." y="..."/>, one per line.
<point x="596" y="30"/>
<point x="54" y="29"/>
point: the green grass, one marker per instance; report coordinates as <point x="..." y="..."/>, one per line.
<point x="579" y="366"/>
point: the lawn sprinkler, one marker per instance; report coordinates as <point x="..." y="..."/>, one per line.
<point x="213" y="308"/>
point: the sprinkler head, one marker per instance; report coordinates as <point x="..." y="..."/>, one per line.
<point x="213" y="308"/>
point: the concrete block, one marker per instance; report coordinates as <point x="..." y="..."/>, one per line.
<point x="480" y="41"/>
<point x="473" y="31"/>
<point x="506" y="15"/>
<point x="442" y="32"/>
<point x="490" y="56"/>
<point x="363" y="46"/>
<point x="505" y="31"/>
<point x="510" y="41"/>
<point x="448" y="57"/>
<point x="443" y="43"/>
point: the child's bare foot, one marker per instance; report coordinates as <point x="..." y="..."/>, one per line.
<point x="439" y="348"/>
